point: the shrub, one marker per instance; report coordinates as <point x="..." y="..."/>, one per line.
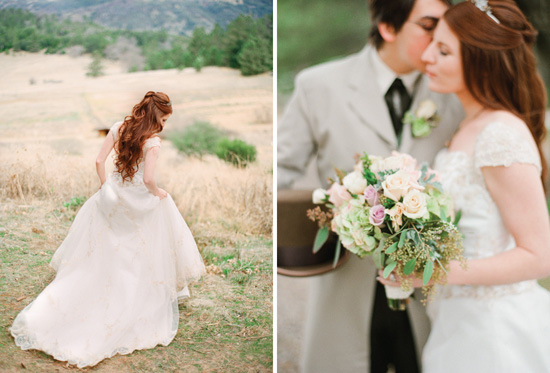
<point x="236" y="151"/>
<point x="197" y="139"/>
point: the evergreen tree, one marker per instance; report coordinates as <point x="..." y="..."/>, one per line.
<point x="95" y="68"/>
<point x="255" y="57"/>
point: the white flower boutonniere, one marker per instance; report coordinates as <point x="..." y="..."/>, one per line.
<point x="423" y="120"/>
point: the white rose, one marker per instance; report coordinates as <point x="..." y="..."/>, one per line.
<point x="319" y="195"/>
<point x="396" y="185"/>
<point x="414" y="204"/>
<point x="355" y="182"/>
<point x="426" y="109"/>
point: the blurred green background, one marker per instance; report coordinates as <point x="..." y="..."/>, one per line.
<point x="313" y="31"/>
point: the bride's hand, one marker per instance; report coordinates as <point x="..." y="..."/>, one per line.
<point x="161" y="193"/>
<point x="394" y="280"/>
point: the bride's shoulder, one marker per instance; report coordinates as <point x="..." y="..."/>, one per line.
<point x="152" y="142"/>
<point x="504" y="139"/>
<point x="502" y="127"/>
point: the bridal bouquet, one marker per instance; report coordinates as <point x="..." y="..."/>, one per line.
<point x="394" y="210"/>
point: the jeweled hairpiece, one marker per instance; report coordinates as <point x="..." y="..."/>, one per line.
<point x="483" y="5"/>
<point x="169" y="103"/>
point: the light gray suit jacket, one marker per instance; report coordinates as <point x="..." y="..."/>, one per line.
<point x="336" y="111"/>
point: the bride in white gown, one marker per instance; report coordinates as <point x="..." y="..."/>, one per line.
<point x="127" y="258"/>
<point x="493" y="316"/>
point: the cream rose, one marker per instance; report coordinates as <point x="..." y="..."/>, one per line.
<point x="396" y="185"/>
<point x="358" y="166"/>
<point x="396" y="215"/>
<point x="355" y="182"/>
<point x="397" y="161"/>
<point x="414" y="204"/>
<point x="319" y="196"/>
<point x="426" y="109"/>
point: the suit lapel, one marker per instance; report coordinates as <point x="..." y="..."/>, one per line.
<point x="366" y="100"/>
<point x="407" y="139"/>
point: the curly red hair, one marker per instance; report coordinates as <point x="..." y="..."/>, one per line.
<point x="144" y="122"/>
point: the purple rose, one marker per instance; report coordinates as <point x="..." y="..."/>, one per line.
<point x="376" y="215"/>
<point x="371" y="195"/>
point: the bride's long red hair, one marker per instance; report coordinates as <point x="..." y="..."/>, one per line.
<point x="499" y="63"/>
<point x="144" y="122"/>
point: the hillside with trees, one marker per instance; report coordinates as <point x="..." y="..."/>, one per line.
<point x="245" y="43"/>
<point x="174" y="16"/>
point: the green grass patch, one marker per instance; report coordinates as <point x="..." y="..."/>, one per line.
<point x="225" y="326"/>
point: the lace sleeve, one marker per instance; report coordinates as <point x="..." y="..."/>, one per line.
<point x="152" y="142"/>
<point x="499" y="144"/>
<point x="114" y="129"/>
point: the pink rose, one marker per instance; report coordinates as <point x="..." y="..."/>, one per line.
<point x="413" y="182"/>
<point x="432" y="172"/>
<point x="376" y="215"/>
<point x="371" y="195"/>
<point x="396" y="215"/>
<point x="338" y="194"/>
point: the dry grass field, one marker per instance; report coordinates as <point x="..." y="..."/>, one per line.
<point x="49" y="116"/>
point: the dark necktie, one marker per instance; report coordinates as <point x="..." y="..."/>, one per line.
<point x="398" y="101"/>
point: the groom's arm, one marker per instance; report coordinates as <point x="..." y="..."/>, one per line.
<point x="295" y="137"/>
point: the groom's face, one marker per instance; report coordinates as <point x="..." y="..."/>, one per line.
<point x="417" y="32"/>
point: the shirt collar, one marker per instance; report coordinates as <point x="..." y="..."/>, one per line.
<point x="385" y="76"/>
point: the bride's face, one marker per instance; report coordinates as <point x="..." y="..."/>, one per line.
<point x="164" y="118"/>
<point x="443" y="61"/>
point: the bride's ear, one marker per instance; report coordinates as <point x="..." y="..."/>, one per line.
<point x="387" y="32"/>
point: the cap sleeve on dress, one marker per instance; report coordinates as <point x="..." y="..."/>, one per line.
<point x="499" y="144"/>
<point x="114" y="129"/>
<point x="152" y="142"/>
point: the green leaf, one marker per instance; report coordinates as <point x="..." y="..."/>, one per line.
<point x="337" y="253"/>
<point x="457" y="218"/>
<point x="416" y="238"/>
<point x="320" y="239"/>
<point x="409" y="267"/>
<point x="379" y="258"/>
<point x="389" y="268"/>
<point x="428" y="270"/>
<point x="442" y="214"/>
<point x="392" y="248"/>
<point x="378" y="233"/>
<point x="402" y="239"/>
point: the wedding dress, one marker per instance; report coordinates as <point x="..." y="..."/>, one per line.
<point x="502" y="328"/>
<point x="120" y="269"/>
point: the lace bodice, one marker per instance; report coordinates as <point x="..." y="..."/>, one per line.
<point x="481" y="224"/>
<point x="498" y="144"/>
<point x="138" y="177"/>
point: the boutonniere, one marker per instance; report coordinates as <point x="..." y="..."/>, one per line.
<point x="422" y="120"/>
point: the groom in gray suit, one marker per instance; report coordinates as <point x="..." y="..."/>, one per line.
<point x="342" y="108"/>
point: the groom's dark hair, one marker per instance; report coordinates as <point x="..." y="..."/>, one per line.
<point x="391" y="12"/>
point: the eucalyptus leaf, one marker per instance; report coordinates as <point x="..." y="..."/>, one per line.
<point x="337" y="253"/>
<point x="428" y="270"/>
<point x="409" y="267"/>
<point x="416" y="238"/>
<point x="402" y="239"/>
<point x="392" y="248"/>
<point x="390" y="267"/>
<point x="457" y="218"/>
<point x="443" y="214"/>
<point x="379" y="258"/>
<point x="320" y="238"/>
